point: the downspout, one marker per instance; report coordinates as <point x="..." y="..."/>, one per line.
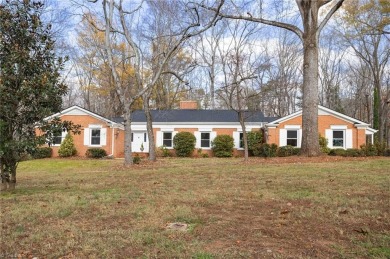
<point x="112" y="140"/>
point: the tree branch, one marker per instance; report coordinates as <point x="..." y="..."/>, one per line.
<point x="338" y="4"/>
<point x="282" y="25"/>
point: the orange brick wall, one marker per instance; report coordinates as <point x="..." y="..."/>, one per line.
<point x="84" y="121"/>
<point x="324" y="122"/>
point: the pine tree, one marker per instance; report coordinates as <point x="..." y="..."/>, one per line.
<point x="67" y="147"/>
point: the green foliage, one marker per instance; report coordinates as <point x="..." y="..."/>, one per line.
<point x="353" y="152"/>
<point x="222" y="146"/>
<point x="380" y="147"/>
<point x="386" y="152"/>
<point x="43" y="152"/>
<point x="255" y="138"/>
<point x="287" y="151"/>
<point x="164" y="151"/>
<point x="67" y="147"/>
<point x="323" y="144"/>
<point x="96" y="153"/>
<point x="337" y="152"/>
<point x="267" y="150"/>
<point x="136" y="159"/>
<point x="31" y="87"/>
<point x="205" y="155"/>
<point x="369" y="150"/>
<point x="184" y="144"/>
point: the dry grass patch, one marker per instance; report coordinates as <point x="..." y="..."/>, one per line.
<point x="289" y="208"/>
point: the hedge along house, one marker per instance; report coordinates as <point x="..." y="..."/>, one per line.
<point x="100" y="132"/>
<point x="340" y="130"/>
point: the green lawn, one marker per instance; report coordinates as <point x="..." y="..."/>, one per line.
<point x="261" y="209"/>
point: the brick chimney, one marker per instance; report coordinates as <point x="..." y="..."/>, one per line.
<point x="188" y="105"/>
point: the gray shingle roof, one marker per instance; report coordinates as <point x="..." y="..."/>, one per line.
<point x="193" y="116"/>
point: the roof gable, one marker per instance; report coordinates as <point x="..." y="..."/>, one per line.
<point x="321" y="111"/>
<point x="78" y="111"/>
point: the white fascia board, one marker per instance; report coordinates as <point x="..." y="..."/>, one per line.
<point x="111" y="123"/>
<point x="371" y="131"/>
<point x="200" y="125"/>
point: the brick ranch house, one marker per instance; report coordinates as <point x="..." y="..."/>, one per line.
<point x="99" y="132"/>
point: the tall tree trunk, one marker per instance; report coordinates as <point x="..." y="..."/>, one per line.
<point x="149" y="127"/>
<point x="310" y="144"/>
<point x="4" y="177"/>
<point x="244" y="135"/>
<point x="12" y="181"/>
<point x="127" y="124"/>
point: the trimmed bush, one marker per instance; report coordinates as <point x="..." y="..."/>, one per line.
<point x="323" y="144"/>
<point x="255" y="138"/>
<point x="296" y="151"/>
<point x="136" y="159"/>
<point x="337" y="152"/>
<point x="222" y="146"/>
<point x="42" y="152"/>
<point x="96" y="153"/>
<point x="267" y="150"/>
<point x="184" y="144"/>
<point x="353" y="152"/>
<point x="369" y="150"/>
<point x="67" y="147"/>
<point x="163" y="151"/>
<point x="286" y="151"/>
<point x="380" y="147"/>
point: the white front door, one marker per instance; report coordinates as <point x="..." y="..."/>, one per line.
<point x="140" y="141"/>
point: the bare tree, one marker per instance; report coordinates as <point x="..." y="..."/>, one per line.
<point x="309" y="35"/>
<point x="372" y="48"/>
<point x="239" y="65"/>
<point x="120" y="22"/>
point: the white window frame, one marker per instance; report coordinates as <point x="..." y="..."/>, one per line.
<point x="344" y="138"/>
<point x="209" y="140"/>
<point x="296" y="138"/>
<point x="88" y="135"/>
<point x="171" y="139"/>
<point x="241" y="140"/>
<point x="91" y="137"/>
<point x="63" y="135"/>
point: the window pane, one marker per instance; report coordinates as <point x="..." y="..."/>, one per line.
<point x="167" y="139"/>
<point x="205" y="143"/>
<point x="205" y="139"/>
<point x="96" y="133"/>
<point x="292" y="142"/>
<point x="292" y="134"/>
<point x="167" y="135"/>
<point x="95" y="137"/>
<point x="241" y="140"/>
<point x="57" y="140"/>
<point x="338" y="134"/>
<point x="167" y="142"/>
<point x="145" y="137"/>
<point x="338" y="142"/>
<point x="205" y="136"/>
